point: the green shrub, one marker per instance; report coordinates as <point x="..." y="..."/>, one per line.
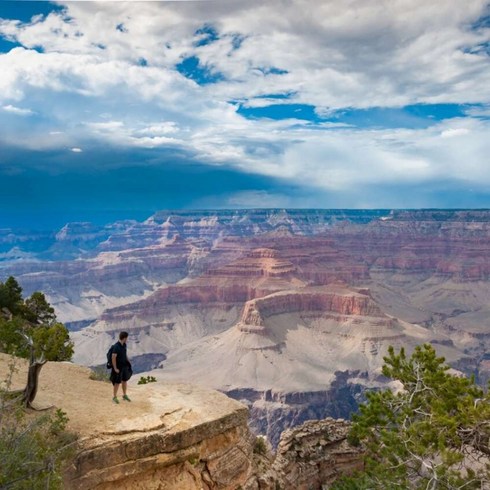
<point x="260" y="446"/>
<point x="100" y="373"/>
<point x="33" y="449"/>
<point x="146" y="379"/>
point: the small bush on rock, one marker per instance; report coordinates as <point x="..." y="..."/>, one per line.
<point x="260" y="446"/>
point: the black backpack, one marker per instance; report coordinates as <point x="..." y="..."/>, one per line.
<point x="109" y="356"/>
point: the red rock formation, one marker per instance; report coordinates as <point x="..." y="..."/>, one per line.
<point x="336" y="304"/>
<point x="259" y="262"/>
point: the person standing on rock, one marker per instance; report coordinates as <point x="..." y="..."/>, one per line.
<point x="121" y="367"/>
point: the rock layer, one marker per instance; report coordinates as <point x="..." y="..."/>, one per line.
<point x="312" y="456"/>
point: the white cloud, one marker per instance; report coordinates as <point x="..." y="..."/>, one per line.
<point x="155" y="141"/>
<point x="337" y="54"/>
<point x="109" y="126"/>
<point x="451" y="133"/>
<point x="156" y="129"/>
<point x="76" y="150"/>
<point x="481" y="111"/>
<point x="121" y="134"/>
<point x="17" y="110"/>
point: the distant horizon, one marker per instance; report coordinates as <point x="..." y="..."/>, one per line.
<point x="102" y="223"/>
<point x="112" y="110"/>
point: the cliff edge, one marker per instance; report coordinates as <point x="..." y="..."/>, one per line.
<point x="173" y="436"/>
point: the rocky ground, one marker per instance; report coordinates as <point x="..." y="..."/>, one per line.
<point x="174" y="436"/>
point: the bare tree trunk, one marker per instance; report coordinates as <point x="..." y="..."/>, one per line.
<point x="35" y="366"/>
<point x="30" y="390"/>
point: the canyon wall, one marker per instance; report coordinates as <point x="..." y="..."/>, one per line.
<point x="288" y="311"/>
<point x="312" y="456"/>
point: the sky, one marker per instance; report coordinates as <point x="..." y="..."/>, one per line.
<point x="112" y="110"/>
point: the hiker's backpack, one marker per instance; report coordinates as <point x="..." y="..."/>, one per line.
<point x="109" y="357"/>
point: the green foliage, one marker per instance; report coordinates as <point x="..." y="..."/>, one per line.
<point x="146" y="379"/>
<point x="362" y="482"/>
<point x="11" y="339"/>
<point x="260" y="446"/>
<point x="193" y="459"/>
<point x="34" y="318"/>
<point x="100" y="373"/>
<point x="428" y="435"/>
<point x="53" y="341"/>
<point x="11" y="296"/>
<point x="39" y="310"/>
<point x="32" y="448"/>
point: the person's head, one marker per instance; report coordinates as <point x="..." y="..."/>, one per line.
<point x="123" y="337"/>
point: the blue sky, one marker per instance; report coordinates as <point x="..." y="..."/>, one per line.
<point x="112" y="110"/>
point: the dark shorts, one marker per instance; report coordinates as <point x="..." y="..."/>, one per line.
<point x="124" y="374"/>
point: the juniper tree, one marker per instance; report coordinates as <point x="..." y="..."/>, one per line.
<point x="433" y="433"/>
<point x="29" y="329"/>
<point x="34" y="318"/>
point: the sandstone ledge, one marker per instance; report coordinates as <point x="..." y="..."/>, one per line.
<point x="172" y="437"/>
<point x="201" y="441"/>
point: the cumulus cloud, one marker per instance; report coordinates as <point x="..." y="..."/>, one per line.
<point x="17" y="110"/>
<point x="76" y="150"/>
<point x="159" y="128"/>
<point x="451" y="133"/>
<point x="330" y="53"/>
<point x="109" y="72"/>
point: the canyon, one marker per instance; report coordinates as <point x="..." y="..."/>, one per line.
<point x="288" y="311"/>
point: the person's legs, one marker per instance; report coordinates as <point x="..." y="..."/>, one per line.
<point x="116" y="388"/>
<point x="125" y="375"/>
<point x="116" y="381"/>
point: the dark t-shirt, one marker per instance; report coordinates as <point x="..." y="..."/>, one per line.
<point x="122" y="357"/>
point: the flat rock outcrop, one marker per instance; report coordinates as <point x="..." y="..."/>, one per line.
<point x="191" y="439"/>
<point x="175" y="437"/>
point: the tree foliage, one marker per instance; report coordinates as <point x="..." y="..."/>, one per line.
<point x="434" y="433"/>
<point x="38" y="310"/>
<point x="11" y="296"/>
<point x="35" y="318"/>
